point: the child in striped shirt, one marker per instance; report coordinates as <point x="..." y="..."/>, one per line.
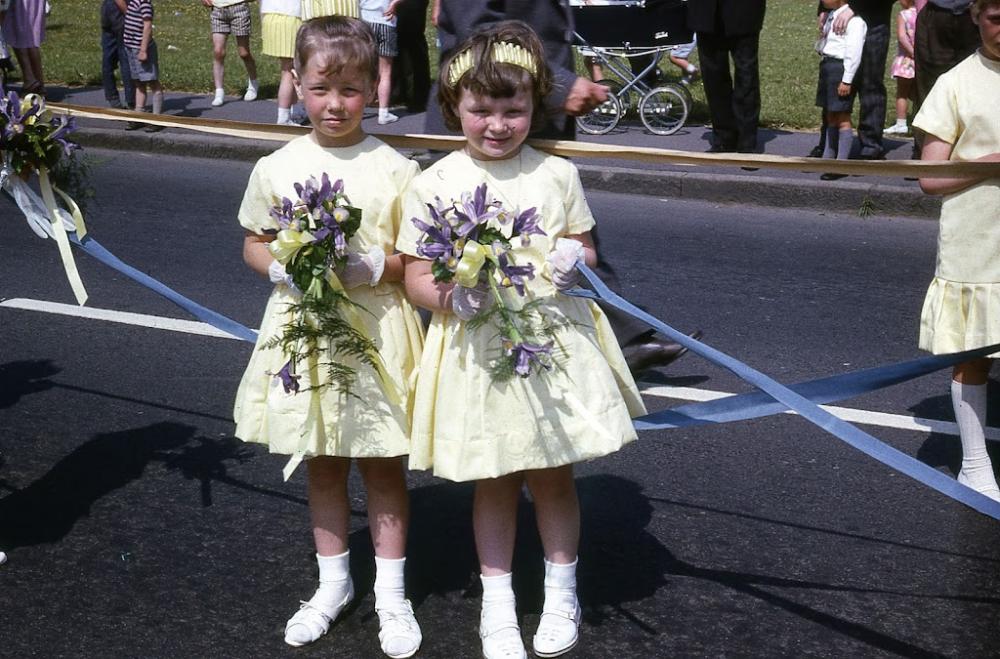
<point x="143" y="60"/>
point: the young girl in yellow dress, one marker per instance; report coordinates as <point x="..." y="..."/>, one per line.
<point x="470" y="426"/>
<point x="336" y="76"/>
<point x="962" y="307"/>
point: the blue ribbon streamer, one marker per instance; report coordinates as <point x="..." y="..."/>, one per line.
<point x="808" y="410"/>
<point x="215" y="319"/>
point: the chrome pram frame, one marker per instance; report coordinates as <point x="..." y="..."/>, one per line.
<point x="662" y="108"/>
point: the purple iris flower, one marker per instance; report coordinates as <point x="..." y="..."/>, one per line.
<point x="284" y="215"/>
<point x="527" y="353"/>
<point x="437" y="242"/>
<point x="63" y="126"/>
<point x="526" y="224"/>
<point x="476" y="210"/>
<point x="289" y="380"/>
<point x="516" y="273"/>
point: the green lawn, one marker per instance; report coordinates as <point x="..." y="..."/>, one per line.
<point x="72" y="55"/>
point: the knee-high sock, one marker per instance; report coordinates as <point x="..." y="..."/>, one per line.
<point x="969" y="401"/>
<point x="844" y="139"/>
<point x="830" y="145"/>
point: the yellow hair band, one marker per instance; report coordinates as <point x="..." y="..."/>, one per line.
<point x="503" y="52"/>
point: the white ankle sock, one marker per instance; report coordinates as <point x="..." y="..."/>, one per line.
<point x="284" y="115"/>
<point x="389" y="587"/>
<point x="969" y="401"/>
<point x="334" y="575"/>
<point x="901" y="123"/>
<point x="560" y="586"/>
<point x="691" y="68"/>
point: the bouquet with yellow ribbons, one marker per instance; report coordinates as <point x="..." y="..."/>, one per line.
<point x="325" y="329"/>
<point x="33" y="140"/>
<point x="470" y="243"/>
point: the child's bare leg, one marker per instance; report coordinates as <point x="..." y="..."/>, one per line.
<point x="388" y="519"/>
<point x="494" y="520"/>
<point x="140" y="95"/>
<point x="243" y="49"/>
<point x="286" y="91"/>
<point x="218" y="59"/>
<point x="329" y="510"/>
<point x="558" y="512"/>
<point x="384" y="90"/>
<point x="968" y="396"/>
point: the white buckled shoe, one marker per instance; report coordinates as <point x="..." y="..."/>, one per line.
<point x="501" y="637"/>
<point x="313" y="619"/>
<point x="398" y="631"/>
<point x="558" y="632"/>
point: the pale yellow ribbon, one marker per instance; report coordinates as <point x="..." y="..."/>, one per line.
<point x="472" y="261"/>
<point x="59" y="235"/>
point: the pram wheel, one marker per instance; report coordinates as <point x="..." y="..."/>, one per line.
<point x="603" y="118"/>
<point x="663" y="110"/>
<point x="615" y="87"/>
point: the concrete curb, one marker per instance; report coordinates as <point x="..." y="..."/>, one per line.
<point x="834" y="196"/>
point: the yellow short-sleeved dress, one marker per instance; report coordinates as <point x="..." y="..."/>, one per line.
<point x="281" y="19"/>
<point x="374" y="177"/>
<point x="467" y="427"/>
<point x="962" y="307"/>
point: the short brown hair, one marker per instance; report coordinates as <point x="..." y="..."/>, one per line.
<point x="344" y="43"/>
<point x="496" y="79"/>
<point x="979" y="5"/>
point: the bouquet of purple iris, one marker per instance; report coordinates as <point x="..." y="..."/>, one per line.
<point x="31" y="138"/>
<point x="311" y="243"/>
<point x="470" y="243"/>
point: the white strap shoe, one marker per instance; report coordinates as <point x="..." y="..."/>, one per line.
<point x="313" y="619"/>
<point x="501" y="637"/>
<point x="558" y="632"/>
<point x="398" y="631"/>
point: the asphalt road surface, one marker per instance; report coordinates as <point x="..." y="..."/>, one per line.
<point x="138" y="526"/>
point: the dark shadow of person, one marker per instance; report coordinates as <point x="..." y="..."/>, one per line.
<point x="47" y="510"/>
<point x="620" y="561"/>
<point x="23" y="378"/>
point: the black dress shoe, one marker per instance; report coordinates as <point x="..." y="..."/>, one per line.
<point x="721" y="148"/>
<point x="871" y="155"/>
<point x="817" y="152"/>
<point x="654" y="353"/>
<point x="830" y="176"/>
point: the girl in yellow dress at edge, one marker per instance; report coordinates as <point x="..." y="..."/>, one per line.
<point x="466" y="426"/>
<point x="962" y="307"/>
<point x="336" y="72"/>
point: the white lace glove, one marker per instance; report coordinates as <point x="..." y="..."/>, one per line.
<point x="362" y="268"/>
<point x="277" y="274"/>
<point x="561" y="263"/>
<point x="467" y="302"/>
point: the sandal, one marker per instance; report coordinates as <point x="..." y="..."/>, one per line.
<point x="398" y="631"/>
<point x="502" y="639"/>
<point x="313" y="619"/>
<point x="558" y="632"/>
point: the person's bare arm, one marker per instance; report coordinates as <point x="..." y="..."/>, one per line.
<point x="255" y="252"/>
<point x="937" y="149"/>
<point x="905" y="42"/>
<point x="147" y="34"/>
<point x="393" y="269"/>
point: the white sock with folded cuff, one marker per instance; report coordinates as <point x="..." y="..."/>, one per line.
<point x="969" y="401"/>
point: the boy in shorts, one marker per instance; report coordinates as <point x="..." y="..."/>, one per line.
<point x="835" y="91"/>
<point x="142" y="58"/>
<point x="231" y="16"/>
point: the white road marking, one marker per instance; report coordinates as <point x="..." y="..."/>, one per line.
<point x="125" y="317"/>
<point x="864" y="417"/>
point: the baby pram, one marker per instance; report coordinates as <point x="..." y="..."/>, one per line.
<point x="611" y="32"/>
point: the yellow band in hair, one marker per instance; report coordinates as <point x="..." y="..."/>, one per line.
<point x="503" y="52"/>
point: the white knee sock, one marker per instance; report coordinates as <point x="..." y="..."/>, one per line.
<point x="969" y="401"/>
<point x="158" y="103"/>
<point x="389" y="588"/>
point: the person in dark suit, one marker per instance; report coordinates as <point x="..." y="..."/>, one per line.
<point x="730" y="29"/>
<point x="571" y="95"/>
<point x="411" y="70"/>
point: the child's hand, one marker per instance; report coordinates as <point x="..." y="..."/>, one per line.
<point x="561" y="263"/>
<point x="207" y="3"/>
<point x="142" y="55"/>
<point x="843" y="90"/>
<point x="277" y="274"/>
<point x="467" y="302"/>
<point x="362" y="268"/>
